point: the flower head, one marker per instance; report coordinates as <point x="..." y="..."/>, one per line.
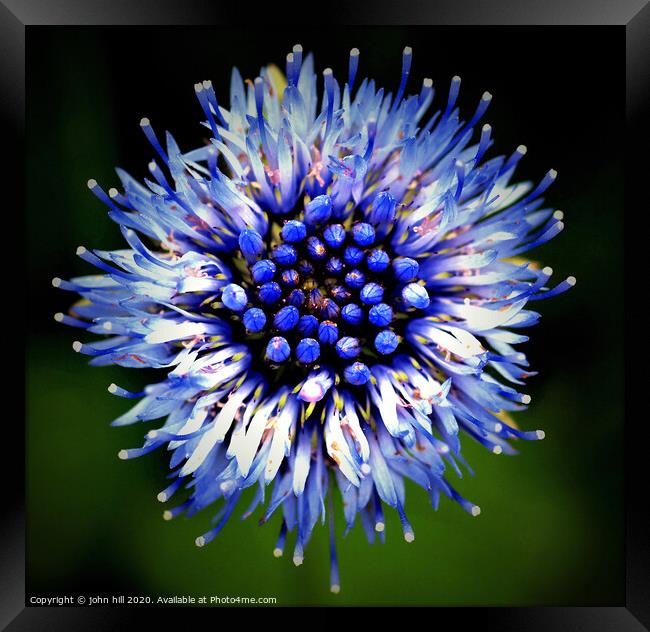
<point x="332" y="293"/>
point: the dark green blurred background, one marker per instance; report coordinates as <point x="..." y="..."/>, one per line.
<point x="551" y="531"/>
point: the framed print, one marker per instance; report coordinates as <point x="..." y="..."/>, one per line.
<point x="326" y="315"/>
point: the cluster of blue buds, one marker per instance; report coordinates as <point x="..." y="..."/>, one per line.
<point x="328" y="292"/>
<point x="333" y="294"/>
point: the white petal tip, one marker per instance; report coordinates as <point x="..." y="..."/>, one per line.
<point x="497" y="449"/>
<point x="312" y="391"/>
<point x="548" y="271"/>
<point x="526" y="399"/>
<point x="123" y="455"/>
<point x="335" y="588"/>
<point x="167" y="515"/>
<point x="522" y="149"/>
<point x="112" y="193"/>
<point x="476" y="511"/>
<point x="407" y="50"/>
<point x="200" y="541"/>
<point x="365" y="468"/>
<point x="455" y="79"/>
<point x="298" y="560"/>
<point x="297" y="48"/>
<point x="107" y="325"/>
<point x="92" y="183"/>
<point x="162" y="497"/>
<point x="379" y="527"/>
<point x="558" y="215"/>
<point x="277" y="552"/>
<point x="144" y="122"/>
<point x="409" y="536"/>
<point x="486" y="96"/>
<point x="112" y="388"/>
<point x="76" y="346"/>
<point x="498" y="427"/>
<point x="56" y="282"/>
<point x="552" y="174"/>
<point x="571" y="280"/>
<point x="427" y="83"/>
<point x="540" y="434"/>
<point x="354" y="52"/>
<point x="58" y="317"/>
<point x="152" y="434"/>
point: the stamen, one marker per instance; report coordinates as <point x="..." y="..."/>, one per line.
<point x="407" y="56"/>
<point x="259" y="104"/>
<point x="352" y="68"/>
<point x="357" y="373"/>
<point x="380" y="315"/>
<point x="263" y="271"/>
<point x="153" y="139"/>
<point x="254" y="319"/>
<point x="278" y="349"/>
<point x="329" y="91"/>
<point x="352" y="314"/>
<point x="291" y="74"/>
<point x="318" y="210"/>
<point x="415" y="295"/>
<point x="287" y="318"/>
<point x="234" y="297"/>
<point x="335" y="582"/>
<point x="297" y="59"/>
<point x="279" y="546"/>
<point x="328" y="332"/>
<point x="251" y="244"/>
<point x="386" y="342"/>
<point x="426" y="91"/>
<point x="348" y="347"/>
<point x="484" y="143"/>
<point x="363" y="234"/>
<point x="453" y="95"/>
<point x="204" y="102"/>
<point x="406" y="269"/>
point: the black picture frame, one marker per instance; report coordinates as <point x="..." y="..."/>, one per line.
<point x="632" y="15"/>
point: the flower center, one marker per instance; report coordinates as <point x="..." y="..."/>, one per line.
<point x="324" y="292"/>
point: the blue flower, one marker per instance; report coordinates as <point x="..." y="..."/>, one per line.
<point x="254" y="319"/>
<point x="234" y="297"/>
<point x="331" y="293"/>
<point x="308" y="351"/>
